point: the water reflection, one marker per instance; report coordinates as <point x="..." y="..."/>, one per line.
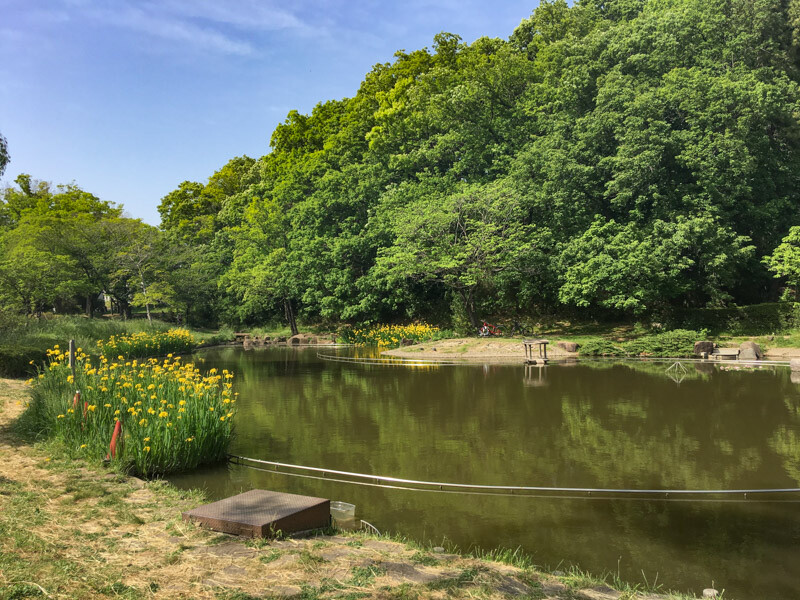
<point x="596" y="424"/>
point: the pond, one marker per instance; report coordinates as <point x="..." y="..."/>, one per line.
<point x="594" y="424"/>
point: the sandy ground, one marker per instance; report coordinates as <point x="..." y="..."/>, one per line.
<point x="69" y="529"/>
<point x="475" y="349"/>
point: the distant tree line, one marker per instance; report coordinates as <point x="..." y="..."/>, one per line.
<point x="612" y="158"/>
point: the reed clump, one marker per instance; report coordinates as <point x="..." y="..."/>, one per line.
<point x="153" y="416"/>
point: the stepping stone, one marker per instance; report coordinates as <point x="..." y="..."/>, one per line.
<point x="262" y="513"/>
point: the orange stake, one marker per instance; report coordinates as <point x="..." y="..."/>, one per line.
<point x="114" y="436"/>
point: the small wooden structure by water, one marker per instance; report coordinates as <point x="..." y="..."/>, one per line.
<point x="262" y="513"/>
<point x="538" y="357"/>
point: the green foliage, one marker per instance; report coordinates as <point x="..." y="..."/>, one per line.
<point x="20" y="361"/>
<point x="41" y="334"/>
<point x="785" y="262"/>
<point x="5" y="158"/>
<point x="611" y="159"/>
<point x="669" y="344"/>
<point x="675" y="343"/>
<point x="601" y="347"/>
<point x="756" y="319"/>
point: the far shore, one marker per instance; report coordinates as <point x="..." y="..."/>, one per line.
<point x="510" y="350"/>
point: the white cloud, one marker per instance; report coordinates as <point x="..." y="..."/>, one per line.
<point x="182" y="31"/>
<point x="245" y="14"/>
<point x="225" y="26"/>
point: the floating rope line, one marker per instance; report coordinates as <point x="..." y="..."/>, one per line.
<point x="417" y="485"/>
<point x="626" y="498"/>
<point x="405" y="362"/>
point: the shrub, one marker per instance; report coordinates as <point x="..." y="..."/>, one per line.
<point x="172" y="417"/>
<point x="20" y="361"/>
<point x="601" y="347"/>
<point x="676" y="343"/>
<point x="756" y="319"/>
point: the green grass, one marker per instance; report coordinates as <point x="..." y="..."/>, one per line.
<point x="364" y="576"/>
<point x="44" y="333"/>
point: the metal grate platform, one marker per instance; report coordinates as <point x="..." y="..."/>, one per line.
<point x="261" y="513"/>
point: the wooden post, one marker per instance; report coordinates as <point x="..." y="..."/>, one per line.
<point x="72" y="358"/>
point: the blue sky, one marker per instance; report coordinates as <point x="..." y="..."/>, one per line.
<point x="127" y="98"/>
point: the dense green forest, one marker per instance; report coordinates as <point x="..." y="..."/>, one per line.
<point x="621" y="158"/>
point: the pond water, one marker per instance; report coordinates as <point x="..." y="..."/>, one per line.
<point x="595" y="424"/>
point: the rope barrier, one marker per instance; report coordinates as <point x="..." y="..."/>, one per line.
<point x="627" y="498"/>
<point x="419" y="485"/>
<point x="406" y="362"/>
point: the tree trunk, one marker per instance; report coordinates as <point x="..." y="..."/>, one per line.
<point x="290" y="318"/>
<point x="89" y="311"/>
<point x="469" y="306"/>
<point x="146" y="300"/>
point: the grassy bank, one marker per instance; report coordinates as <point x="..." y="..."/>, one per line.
<point x="24" y="339"/>
<point x="73" y="530"/>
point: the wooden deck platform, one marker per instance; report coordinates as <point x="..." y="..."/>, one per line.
<point x="262" y="513"/>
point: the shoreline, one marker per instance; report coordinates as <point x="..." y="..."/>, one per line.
<point x="510" y="351"/>
<point x="73" y="529"/>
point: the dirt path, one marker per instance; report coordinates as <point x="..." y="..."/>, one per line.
<point x="69" y="530"/>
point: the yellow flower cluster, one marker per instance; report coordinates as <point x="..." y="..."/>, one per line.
<point x="388" y="335"/>
<point x="173" y="416"/>
<point x="148" y="344"/>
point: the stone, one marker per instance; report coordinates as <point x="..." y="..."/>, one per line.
<point x="701" y="347"/>
<point x="303" y="338"/>
<point x="568" y="346"/>
<point x="710" y="593"/>
<point x="794" y="364"/>
<point x="406" y="342"/>
<point x="750" y="351"/>
<point x="794" y="376"/>
<point x="438" y="549"/>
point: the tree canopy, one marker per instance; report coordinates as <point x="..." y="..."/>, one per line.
<point x="621" y="157"/>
